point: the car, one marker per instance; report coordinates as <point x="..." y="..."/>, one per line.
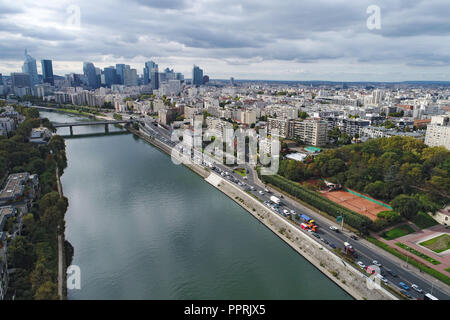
<point x="333" y="228"/>
<point x="375" y="262"/>
<point x="267" y="190"/>
<point x="326" y="241"/>
<point x="392" y="273"/>
<point x="316" y="235"/>
<point x="260" y="192"/>
<point x="285" y="211"/>
<point x="379" y="276"/>
<point x="332" y="245"/>
<point x="354" y="237"/>
<point x="417" y="288"/>
<point x="292" y="212"/>
<point x="361" y="264"/>
<point x="406" y="294"/>
<point x="403" y="285"/>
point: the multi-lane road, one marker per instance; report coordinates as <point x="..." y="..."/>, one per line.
<point x="392" y="269"/>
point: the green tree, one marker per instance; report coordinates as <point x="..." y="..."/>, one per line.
<point x="21" y="253"/>
<point x="406" y="206"/>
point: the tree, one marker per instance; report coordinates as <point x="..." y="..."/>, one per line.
<point x="48" y="291"/>
<point x="406" y="206"/>
<point x="21" y="253"/>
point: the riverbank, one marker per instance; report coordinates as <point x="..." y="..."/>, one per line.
<point x="341" y="273"/>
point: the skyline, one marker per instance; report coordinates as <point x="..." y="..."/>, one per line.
<point x="313" y="40"/>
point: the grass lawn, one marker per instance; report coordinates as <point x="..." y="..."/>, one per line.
<point x="397" y="232"/>
<point x="438" y="244"/>
<point x="448" y="270"/>
<point x="241" y="171"/>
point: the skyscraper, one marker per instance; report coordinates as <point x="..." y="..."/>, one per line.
<point x="47" y="71"/>
<point x="1" y="80"/>
<point x="197" y="76"/>
<point x="149" y="65"/>
<point x="154" y="78"/>
<point x="91" y="74"/>
<point x="110" y="76"/>
<point x="29" y="66"/>
<point x="20" y="79"/>
<point x="130" y="76"/>
<point x="119" y="72"/>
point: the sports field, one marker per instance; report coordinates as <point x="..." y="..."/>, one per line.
<point x="355" y="203"/>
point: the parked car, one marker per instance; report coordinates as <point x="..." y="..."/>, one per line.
<point x="354" y="237"/>
<point x="417" y="288"/>
<point x="361" y="264"/>
<point x="260" y="192"/>
<point x="403" y="285"/>
<point x="332" y="245"/>
<point x="316" y="235"/>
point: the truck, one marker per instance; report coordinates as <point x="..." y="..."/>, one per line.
<point x="275" y="200"/>
<point x="306" y="218"/>
<point x="304" y="226"/>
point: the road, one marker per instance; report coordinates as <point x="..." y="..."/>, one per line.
<point x="392" y="269"/>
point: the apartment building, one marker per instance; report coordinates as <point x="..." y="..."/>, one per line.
<point x="438" y="132"/>
<point x="311" y="131"/>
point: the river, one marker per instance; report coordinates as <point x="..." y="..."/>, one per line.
<point x="144" y="228"/>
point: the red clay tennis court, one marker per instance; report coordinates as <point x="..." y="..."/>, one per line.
<point x="355" y="203"/>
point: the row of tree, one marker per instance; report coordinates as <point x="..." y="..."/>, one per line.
<point x="33" y="254"/>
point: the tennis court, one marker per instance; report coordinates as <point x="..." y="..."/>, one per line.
<point x="356" y="203"/>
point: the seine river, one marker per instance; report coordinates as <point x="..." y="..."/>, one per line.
<point x="144" y="228"/>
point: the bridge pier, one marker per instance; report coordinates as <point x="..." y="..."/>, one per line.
<point x="71" y="130"/>
<point x="106" y="128"/>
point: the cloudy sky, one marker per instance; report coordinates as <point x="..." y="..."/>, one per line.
<point x="246" y="39"/>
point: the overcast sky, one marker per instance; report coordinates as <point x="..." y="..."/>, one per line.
<point x="246" y="39"/>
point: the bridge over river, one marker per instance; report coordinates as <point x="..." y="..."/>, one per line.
<point x="106" y="123"/>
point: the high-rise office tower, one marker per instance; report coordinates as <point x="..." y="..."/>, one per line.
<point x="154" y="78"/>
<point x="29" y="66"/>
<point x="91" y="75"/>
<point x="149" y="65"/>
<point x="20" y="79"/>
<point x="47" y="71"/>
<point x="110" y="76"/>
<point x="197" y="76"/>
<point x="119" y="72"/>
<point x="130" y="77"/>
<point x="1" y="79"/>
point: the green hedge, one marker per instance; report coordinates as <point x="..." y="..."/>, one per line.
<point x="418" y="253"/>
<point x="352" y="218"/>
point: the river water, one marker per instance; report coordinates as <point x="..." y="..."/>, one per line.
<point x="144" y="228"/>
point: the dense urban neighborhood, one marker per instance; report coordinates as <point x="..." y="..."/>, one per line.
<point x="371" y="158"/>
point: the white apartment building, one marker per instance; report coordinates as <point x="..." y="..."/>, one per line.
<point x="311" y="131"/>
<point x="438" y="132"/>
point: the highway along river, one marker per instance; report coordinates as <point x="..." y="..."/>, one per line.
<point x="144" y="228"/>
